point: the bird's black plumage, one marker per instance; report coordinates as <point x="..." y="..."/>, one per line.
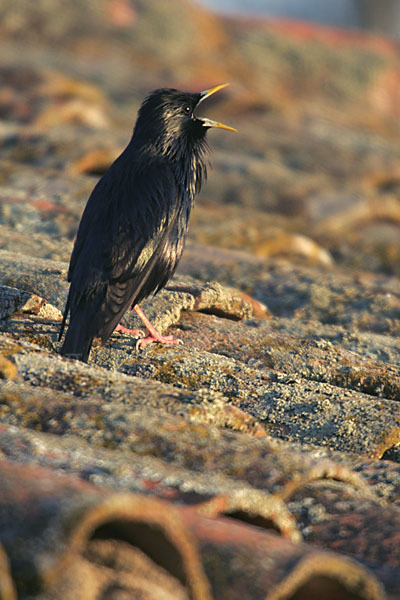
<point x="132" y="232"/>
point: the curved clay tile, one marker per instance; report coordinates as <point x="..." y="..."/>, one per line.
<point x="47" y="521"/>
<point x="68" y="539"/>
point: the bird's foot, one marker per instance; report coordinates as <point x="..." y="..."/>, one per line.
<point x="136" y="332"/>
<point x="155" y="337"/>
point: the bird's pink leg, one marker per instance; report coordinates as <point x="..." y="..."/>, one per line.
<point x="121" y="329"/>
<point x="153" y="336"/>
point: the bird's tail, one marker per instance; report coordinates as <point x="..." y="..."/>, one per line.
<point x="78" y="339"/>
<point x="77" y="342"/>
<point x="65" y="315"/>
<point x="96" y="317"/>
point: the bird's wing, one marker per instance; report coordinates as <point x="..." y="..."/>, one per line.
<point x="123" y="234"/>
<point x="145" y="252"/>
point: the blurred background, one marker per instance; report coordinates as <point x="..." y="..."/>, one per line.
<point x="366" y="14"/>
<point x="313" y="174"/>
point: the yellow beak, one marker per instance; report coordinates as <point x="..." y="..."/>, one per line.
<point x="208" y="122"/>
<point x="206" y="93"/>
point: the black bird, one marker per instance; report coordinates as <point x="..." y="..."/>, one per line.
<point x="132" y="232"/>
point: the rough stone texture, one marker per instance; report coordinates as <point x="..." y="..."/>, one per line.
<point x="260" y="459"/>
<point x="13" y="301"/>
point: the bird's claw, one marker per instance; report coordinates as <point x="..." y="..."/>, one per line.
<point x="136" y="332"/>
<point x="167" y="340"/>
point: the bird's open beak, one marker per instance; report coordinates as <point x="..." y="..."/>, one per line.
<point x="209" y="122"/>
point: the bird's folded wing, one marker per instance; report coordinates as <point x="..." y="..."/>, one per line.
<point x="128" y="243"/>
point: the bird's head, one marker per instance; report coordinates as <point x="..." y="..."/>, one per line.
<point x="167" y="120"/>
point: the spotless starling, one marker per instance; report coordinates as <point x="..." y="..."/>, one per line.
<point x="132" y="232"/>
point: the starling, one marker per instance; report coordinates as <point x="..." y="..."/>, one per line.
<point x="132" y="232"/>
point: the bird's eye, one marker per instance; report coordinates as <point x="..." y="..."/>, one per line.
<point x="187" y="110"/>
